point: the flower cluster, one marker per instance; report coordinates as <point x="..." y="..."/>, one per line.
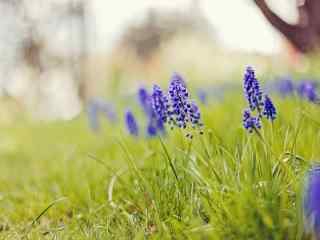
<point x="176" y="108"/>
<point x="258" y="103"/>
<point x="311" y="202"/>
<point x="305" y="89"/>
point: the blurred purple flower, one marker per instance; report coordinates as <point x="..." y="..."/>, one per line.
<point x="308" y="90"/>
<point x="203" y="96"/>
<point x="285" y="86"/>
<point x="131" y="123"/>
<point x="93" y="119"/>
<point x="97" y="106"/>
<point x="151" y="130"/>
<point x="145" y="101"/>
<point x="311" y="203"/>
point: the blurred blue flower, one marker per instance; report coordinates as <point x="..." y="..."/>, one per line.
<point x="145" y="101"/>
<point x="308" y="90"/>
<point x="97" y="106"/>
<point x="311" y="201"/>
<point x="203" y="96"/>
<point x="252" y="90"/>
<point x="250" y="123"/>
<point x="285" y="86"/>
<point x="151" y="129"/>
<point x="155" y="127"/>
<point x="131" y="123"/>
<point x="269" y="110"/>
<point x="93" y="119"/>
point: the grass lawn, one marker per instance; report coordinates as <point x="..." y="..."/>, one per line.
<point x="224" y="184"/>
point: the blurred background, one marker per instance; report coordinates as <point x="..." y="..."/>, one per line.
<point x="56" y="55"/>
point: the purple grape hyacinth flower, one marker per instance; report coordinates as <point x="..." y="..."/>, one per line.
<point x="160" y="105"/>
<point x="179" y="97"/>
<point x="131" y="123"/>
<point x="175" y="108"/>
<point x="269" y="110"/>
<point x="183" y="111"/>
<point x="250" y="123"/>
<point x="259" y="106"/>
<point x="252" y="90"/>
<point x="311" y="202"/>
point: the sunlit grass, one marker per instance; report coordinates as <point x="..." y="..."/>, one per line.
<point x="225" y="184"/>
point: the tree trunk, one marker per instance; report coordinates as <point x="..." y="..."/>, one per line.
<point x="305" y="35"/>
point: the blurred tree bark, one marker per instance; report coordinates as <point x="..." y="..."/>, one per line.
<point x="305" y="34"/>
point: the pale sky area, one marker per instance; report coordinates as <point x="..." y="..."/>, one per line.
<point x="238" y="23"/>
